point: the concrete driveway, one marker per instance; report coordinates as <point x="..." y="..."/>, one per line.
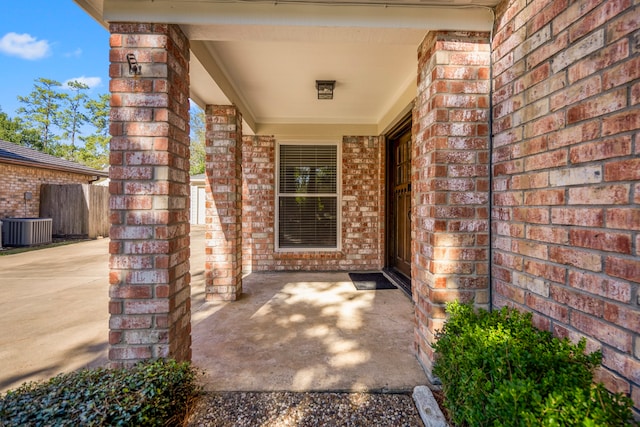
<point x="54" y="315"/>
<point x="289" y="331"/>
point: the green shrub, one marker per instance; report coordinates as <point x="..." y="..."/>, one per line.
<point x="497" y="369"/>
<point x="153" y="393"/>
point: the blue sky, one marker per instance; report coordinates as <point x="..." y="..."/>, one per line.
<point x="54" y="39"/>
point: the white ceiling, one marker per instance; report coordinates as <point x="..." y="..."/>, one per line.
<point x="265" y="56"/>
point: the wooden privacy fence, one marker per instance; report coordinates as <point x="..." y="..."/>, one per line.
<point x="77" y="210"/>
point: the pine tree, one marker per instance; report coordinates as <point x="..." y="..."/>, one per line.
<point x="41" y="111"/>
<point x="73" y="116"/>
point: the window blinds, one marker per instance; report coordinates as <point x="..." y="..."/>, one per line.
<point x="308" y="197"/>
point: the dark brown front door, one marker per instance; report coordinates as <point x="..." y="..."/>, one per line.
<point x="400" y="202"/>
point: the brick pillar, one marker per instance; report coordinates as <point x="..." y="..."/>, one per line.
<point x="150" y="291"/>
<point x="450" y="180"/>
<point x="223" y="265"/>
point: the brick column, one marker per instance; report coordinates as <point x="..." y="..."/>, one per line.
<point x="150" y="291"/>
<point x="223" y="265"/>
<point x="450" y="180"/>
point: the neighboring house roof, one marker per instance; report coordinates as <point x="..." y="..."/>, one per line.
<point x="19" y="155"/>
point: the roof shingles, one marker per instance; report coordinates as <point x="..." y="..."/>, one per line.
<point x="17" y="154"/>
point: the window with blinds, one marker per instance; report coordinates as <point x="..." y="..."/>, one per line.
<point x="307" y="197"/>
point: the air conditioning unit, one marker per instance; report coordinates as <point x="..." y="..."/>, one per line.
<point x="26" y="231"/>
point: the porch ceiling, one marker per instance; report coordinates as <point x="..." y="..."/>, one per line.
<point x="265" y="56"/>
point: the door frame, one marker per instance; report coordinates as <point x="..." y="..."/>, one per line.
<point x="403" y="125"/>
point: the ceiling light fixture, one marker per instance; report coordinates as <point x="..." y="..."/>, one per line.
<point x="325" y="88"/>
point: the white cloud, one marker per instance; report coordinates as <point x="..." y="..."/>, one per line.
<point x="24" y="46"/>
<point x="89" y="81"/>
<point x="76" y="53"/>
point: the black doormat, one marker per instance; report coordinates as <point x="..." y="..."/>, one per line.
<point x="370" y="281"/>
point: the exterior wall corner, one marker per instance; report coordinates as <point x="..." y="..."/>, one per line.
<point x="450" y="182"/>
<point x="566" y="175"/>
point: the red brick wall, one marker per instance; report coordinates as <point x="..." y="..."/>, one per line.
<point x="258" y="203"/>
<point x="149" y="263"/>
<point x="566" y="174"/>
<point x="450" y="180"/>
<point x="15" y="180"/>
<point x="363" y="203"/>
<point x="362" y="209"/>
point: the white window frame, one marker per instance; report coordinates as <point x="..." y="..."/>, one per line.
<point x="338" y="196"/>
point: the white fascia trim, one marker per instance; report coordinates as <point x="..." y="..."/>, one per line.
<point x="469" y="18"/>
<point x="92" y="11"/>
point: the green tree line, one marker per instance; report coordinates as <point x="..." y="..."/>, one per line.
<point x="61" y="120"/>
<point x="65" y="121"/>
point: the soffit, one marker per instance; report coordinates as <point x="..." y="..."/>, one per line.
<point x="265" y="56"/>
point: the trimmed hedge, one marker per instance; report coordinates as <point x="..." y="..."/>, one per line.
<point x="497" y="369"/>
<point x="154" y="393"/>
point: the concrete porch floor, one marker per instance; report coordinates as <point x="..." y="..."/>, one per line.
<point x="301" y="331"/>
<point x="289" y="331"/>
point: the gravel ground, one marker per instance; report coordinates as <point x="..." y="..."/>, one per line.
<point x="280" y="409"/>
